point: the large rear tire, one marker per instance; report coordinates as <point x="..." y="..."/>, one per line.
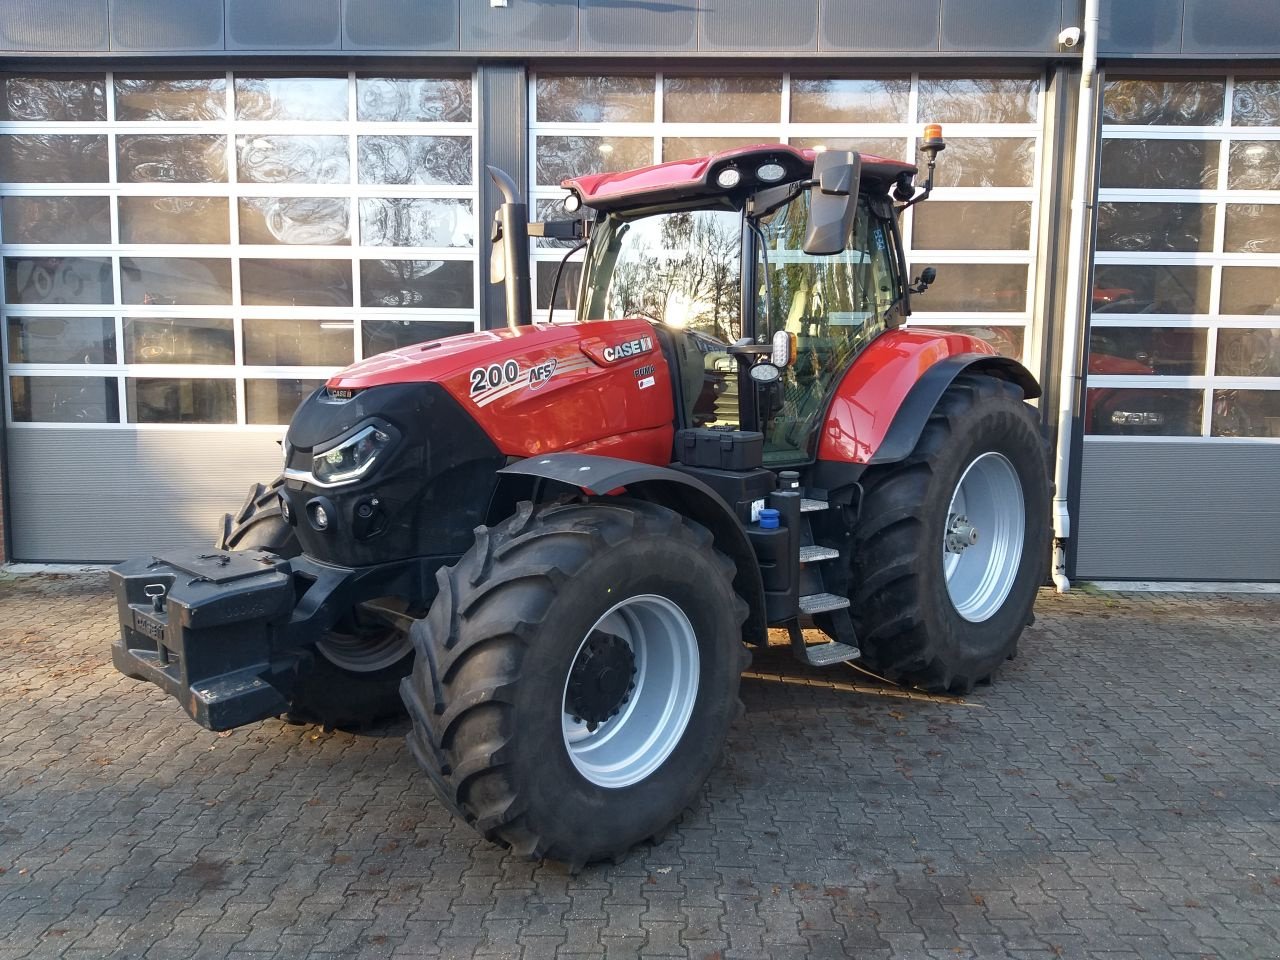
<point x="952" y="543"/>
<point x="576" y="677"/>
<point x="353" y="679"/>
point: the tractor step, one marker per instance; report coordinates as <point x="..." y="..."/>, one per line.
<point x="808" y="505"/>
<point x="822" y="603"/>
<point x="820" y="654"/>
<point x="812" y="554"/>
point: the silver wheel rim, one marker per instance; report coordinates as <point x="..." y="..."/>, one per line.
<point x="632" y="744"/>
<point x="982" y="539"/>
<point x="376" y="647"/>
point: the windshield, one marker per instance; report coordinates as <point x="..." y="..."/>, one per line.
<point x="681" y="269"/>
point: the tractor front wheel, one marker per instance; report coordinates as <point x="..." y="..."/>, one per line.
<point x="952" y="543"/>
<point x="576" y="677"/>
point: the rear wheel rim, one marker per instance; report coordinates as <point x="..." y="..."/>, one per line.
<point x="983" y="537"/>
<point x="649" y="719"/>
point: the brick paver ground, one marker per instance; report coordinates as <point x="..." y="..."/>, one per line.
<point x="1115" y="794"/>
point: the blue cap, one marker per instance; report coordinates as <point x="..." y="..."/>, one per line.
<point x="769" y="519"/>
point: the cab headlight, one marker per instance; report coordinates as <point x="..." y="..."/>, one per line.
<point x="352" y="458"/>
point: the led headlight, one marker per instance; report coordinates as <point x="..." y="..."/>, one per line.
<point x="352" y="458"/>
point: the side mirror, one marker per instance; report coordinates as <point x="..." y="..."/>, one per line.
<point x="833" y="202"/>
<point x="922" y="282"/>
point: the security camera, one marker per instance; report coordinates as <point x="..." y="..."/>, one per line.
<point x="1069" y="37"/>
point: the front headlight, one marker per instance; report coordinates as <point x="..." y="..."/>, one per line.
<point x="352" y="458"/>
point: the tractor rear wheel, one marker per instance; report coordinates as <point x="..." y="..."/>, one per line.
<point x="576" y="677"/>
<point x="354" y="678"/>
<point x="953" y="541"/>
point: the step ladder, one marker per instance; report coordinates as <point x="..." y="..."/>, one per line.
<point x="845" y="647"/>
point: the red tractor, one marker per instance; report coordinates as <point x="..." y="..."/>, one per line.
<point x="554" y="543"/>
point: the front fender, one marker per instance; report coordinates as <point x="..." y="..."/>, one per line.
<point x="688" y="496"/>
<point x="884" y="400"/>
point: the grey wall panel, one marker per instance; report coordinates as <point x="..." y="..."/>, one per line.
<point x="104" y="495"/>
<point x="1140" y="26"/>
<point x="606" y="25"/>
<point x="907" y="25"/>
<point x="72" y="26"/>
<point x="755" y="25"/>
<point x="502" y="118"/>
<point x="400" y="24"/>
<point x="283" y="25"/>
<point x="969" y="25"/>
<point x="1237" y="26"/>
<point x="534" y="26"/>
<point x="1179" y="511"/>
<point x="163" y="25"/>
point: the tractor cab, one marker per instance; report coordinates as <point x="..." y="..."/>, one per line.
<point x="765" y="271"/>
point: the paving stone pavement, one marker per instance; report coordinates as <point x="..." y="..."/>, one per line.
<point x="1113" y="794"/>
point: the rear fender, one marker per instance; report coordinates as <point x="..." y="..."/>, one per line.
<point x="885" y="399"/>
<point x="688" y="496"/>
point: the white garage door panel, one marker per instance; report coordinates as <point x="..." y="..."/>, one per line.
<point x="101" y="496"/>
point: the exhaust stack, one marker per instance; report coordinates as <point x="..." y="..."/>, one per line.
<point x="509" y="263"/>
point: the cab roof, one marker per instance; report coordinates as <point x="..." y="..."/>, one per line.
<point x="687" y="179"/>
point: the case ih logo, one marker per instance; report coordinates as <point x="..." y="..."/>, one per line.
<point x="632" y="348"/>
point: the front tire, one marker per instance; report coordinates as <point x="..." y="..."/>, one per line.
<point x="353" y="679"/>
<point x="576" y="677"/>
<point x="953" y="541"/>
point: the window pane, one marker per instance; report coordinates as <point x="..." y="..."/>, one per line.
<point x="383" y="335"/>
<point x="990" y="100"/>
<point x="722" y="99"/>
<point x="53" y="97"/>
<point x="55" y="219"/>
<point x="414" y="99"/>
<point x="171" y="98"/>
<point x="1155" y="226"/>
<point x="174" y="220"/>
<point x="1171" y="102"/>
<point x="58" y="280"/>
<point x="873" y="146"/>
<point x="1007" y="340"/>
<point x="65" y="399"/>
<point x="849" y="101"/>
<point x="274" y="401"/>
<point x="62" y="340"/>
<point x="1251" y="290"/>
<point x="174" y="280"/>
<point x="416" y="222"/>
<point x="1160" y="164"/>
<point x="1255" y="165"/>
<point x="442" y="284"/>
<point x="61" y="158"/>
<point x="595" y="99"/>
<point x="1000" y="287"/>
<point x="314" y="221"/>
<point x="297" y="283"/>
<point x="1256" y="103"/>
<point x="1143" y="412"/>
<point x="1125" y="288"/>
<point x="298" y="343"/>
<point x="1252" y="228"/>
<point x="148" y="340"/>
<point x="1248" y="353"/>
<point x="971" y="225"/>
<point x="987" y="162"/>
<point x="422" y="160"/>
<point x="682" y="148"/>
<point x="180" y="400"/>
<point x="566" y="294"/>
<point x="1138" y="351"/>
<point x="1246" y="413"/>
<point x="171" y="158"/>
<point x="560" y="158"/>
<point x="291" y="98"/>
<point x="292" y="159"/>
